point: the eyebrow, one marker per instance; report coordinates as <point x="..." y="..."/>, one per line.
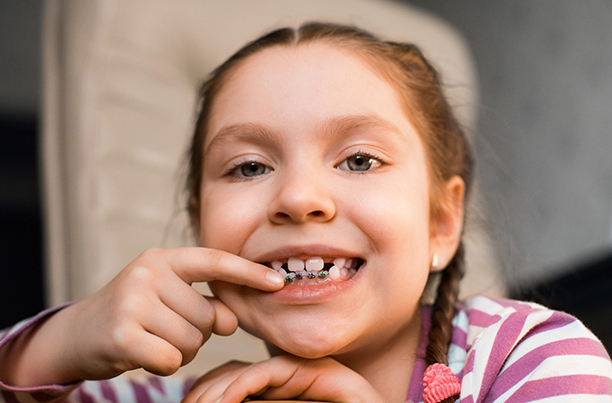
<point x="247" y="132"/>
<point x="335" y="128"/>
<point x="344" y="126"/>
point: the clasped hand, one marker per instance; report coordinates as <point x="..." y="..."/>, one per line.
<point x="283" y="377"/>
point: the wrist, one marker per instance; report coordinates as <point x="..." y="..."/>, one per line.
<point x="29" y="355"/>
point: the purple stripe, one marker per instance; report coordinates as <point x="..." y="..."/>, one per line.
<point x="140" y="392"/>
<point x="556" y="320"/>
<point x="482" y="319"/>
<point x="459" y="338"/>
<point x="108" y="392"/>
<point x="505" y="339"/>
<point x="415" y="388"/>
<point x="155" y="382"/>
<point x="562" y="385"/>
<point x="468" y="399"/>
<point x="84" y="396"/>
<point x="517" y="305"/>
<point x="469" y="363"/>
<point x="526" y="364"/>
<point x="187" y="384"/>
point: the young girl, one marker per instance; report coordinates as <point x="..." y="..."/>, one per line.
<point x="327" y="186"/>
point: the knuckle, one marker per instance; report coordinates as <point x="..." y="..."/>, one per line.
<point x="129" y="307"/>
<point x="216" y="258"/>
<point x="122" y="339"/>
<point x="194" y="340"/>
<point x="141" y="274"/>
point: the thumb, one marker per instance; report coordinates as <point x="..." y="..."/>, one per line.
<point x="226" y="321"/>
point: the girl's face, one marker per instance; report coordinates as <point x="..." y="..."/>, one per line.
<point x="308" y="154"/>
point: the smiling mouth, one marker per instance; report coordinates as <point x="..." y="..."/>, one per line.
<point x="316" y="270"/>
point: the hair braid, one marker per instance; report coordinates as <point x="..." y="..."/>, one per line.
<point x="443" y="312"/>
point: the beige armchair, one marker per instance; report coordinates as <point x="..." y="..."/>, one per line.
<point x="120" y="84"/>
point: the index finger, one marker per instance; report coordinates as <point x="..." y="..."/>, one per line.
<point x="198" y="264"/>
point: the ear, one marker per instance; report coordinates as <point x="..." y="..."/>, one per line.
<point x="447" y="225"/>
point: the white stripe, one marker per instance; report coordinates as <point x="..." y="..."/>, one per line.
<point x="461" y="321"/>
<point x="577" y="398"/>
<point x="123" y="389"/>
<point x="570" y="331"/>
<point x="483" y="304"/>
<point x="17" y="328"/>
<point x="482" y="350"/>
<point x="485" y="342"/>
<point x="562" y="366"/>
<point x="456" y="358"/>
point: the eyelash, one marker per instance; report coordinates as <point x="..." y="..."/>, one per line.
<point x="234" y="174"/>
<point x="233" y="171"/>
<point x="365" y="154"/>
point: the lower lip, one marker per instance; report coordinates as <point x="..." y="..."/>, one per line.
<point x="311" y="294"/>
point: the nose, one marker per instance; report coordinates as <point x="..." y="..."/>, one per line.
<point x="302" y="197"/>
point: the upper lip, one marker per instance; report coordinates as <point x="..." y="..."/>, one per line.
<point x="306" y="251"/>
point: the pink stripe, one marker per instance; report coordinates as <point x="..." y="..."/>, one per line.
<point x="155" y="382"/>
<point x="415" y="388"/>
<point x="84" y="396"/>
<point x="517" y="305"/>
<point x="562" y="385"/>
<point x="187" y="385"/>
<point x="482" y="319"/>
<point x="140" y="392"/>
<point x="459" y="338"/>
<point x="468" y="399"/>
<point x="469" y="364"/>
<point x="504" y="342"/>
<point x="108" y="392"/>
<point x="526" y="364"/>
<point x="556" y="320"/>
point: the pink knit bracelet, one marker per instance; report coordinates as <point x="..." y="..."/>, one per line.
<point x="439" y="383"/>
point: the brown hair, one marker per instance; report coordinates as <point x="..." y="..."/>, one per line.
<point x="417" y="83"/>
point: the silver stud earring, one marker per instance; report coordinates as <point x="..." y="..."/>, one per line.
<point x="434" y="262"/>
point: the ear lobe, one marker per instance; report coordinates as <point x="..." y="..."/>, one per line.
<point x="447" y="226"/>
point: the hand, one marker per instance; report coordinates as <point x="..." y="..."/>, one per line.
<point x="148" y="316"/>
<point x="283" y="377"/>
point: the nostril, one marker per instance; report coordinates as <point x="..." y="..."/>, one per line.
<point x="317" y="213"/>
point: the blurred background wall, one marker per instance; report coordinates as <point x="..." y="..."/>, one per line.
<point x="543" y="143"/>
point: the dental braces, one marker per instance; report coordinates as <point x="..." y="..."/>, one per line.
<point x="311" y="275"/>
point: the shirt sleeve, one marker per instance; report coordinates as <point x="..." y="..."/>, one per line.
<point x="522" y="352"/>
<point x="121" y="389"/>
<point x="43" y="393"/>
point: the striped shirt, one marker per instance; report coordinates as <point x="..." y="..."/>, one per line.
<point x="502" y="350"/>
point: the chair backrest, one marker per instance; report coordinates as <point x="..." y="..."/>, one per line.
<point x="120" y="84"/>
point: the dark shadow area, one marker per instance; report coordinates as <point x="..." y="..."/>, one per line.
<point x="21" y="265"/>
<point x="585" y="292"/>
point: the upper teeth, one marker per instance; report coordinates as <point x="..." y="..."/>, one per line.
<point x="314" y="263"/>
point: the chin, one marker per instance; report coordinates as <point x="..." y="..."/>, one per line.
<point x="306" y="341"/>
<point x="307" y="349"/>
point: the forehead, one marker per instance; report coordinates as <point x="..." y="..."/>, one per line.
<point x="297" y="87"/>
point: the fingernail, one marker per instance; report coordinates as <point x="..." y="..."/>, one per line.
<point x="274" y="278"/>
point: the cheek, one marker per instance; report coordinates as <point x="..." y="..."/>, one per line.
<point x="397" y="212"/>
<point x="226" y="220"/>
